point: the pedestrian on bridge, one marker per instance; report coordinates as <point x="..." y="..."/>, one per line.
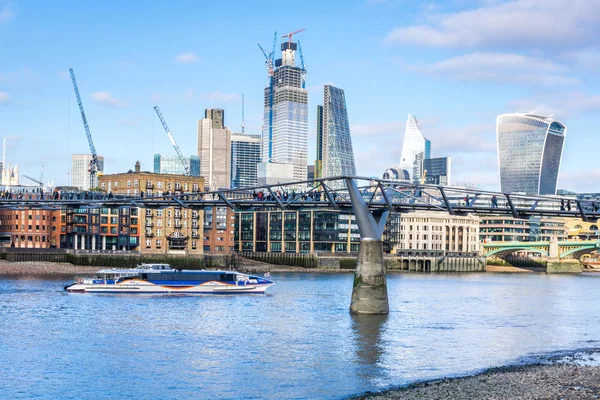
<point x="467" y="199"/>
<point x="494" y="201"/>
<point x="562" y="204"/>
<point x="568" y="205"/>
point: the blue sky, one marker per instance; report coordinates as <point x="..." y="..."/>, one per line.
<point x="455" y="64"/>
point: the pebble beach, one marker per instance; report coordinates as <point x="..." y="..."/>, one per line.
<point x="575" y="376"/>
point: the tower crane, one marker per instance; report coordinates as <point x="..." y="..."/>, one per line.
<point x="34" y="180"/>
<point x="269" y="61"/>
<point x="93" y="169"/>
<point x="302" y="66"/>
<point x="291" y="34"/>
<point x="173" y="142"/>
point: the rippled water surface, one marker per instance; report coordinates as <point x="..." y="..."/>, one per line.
<point x="298" y="341"/>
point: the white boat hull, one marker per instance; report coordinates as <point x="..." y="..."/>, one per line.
<point x="140" y="286"/>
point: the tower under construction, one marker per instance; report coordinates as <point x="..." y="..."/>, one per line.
<point x="285" y="127"/>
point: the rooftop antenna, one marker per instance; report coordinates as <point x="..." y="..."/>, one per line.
<point x="243" y="123"/>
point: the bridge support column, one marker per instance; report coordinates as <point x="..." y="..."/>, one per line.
<point x="369" y="294"/>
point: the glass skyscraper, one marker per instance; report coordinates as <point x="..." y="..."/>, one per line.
<point x="289" y="141"/>
<point x="415" y="149"/>
<point x="333" y="135"/>
<point x="529" y="152"/>
<point x="245" y="156"/>
<point x="169" y="164"/>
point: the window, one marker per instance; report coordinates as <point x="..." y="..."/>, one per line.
<point x="158" y="243"/>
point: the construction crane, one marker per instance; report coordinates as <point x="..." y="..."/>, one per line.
<point x="173" y="142"/>
<point x="269" y="62"/>
<point x="93" y="169"/>
<point x="34" y="180"/>
<point x="302" y="66"/>
<point x="291" y="34"/>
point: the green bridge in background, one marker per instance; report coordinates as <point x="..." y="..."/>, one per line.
<point x="569" y="249"/>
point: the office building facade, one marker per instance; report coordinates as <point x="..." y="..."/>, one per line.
<point x="415" y="149"/>
<point x="499" y="228"/>
<point x="437" y="170"/>
<point x="431" y="231"/>
<point x="296" y="232"/>
<point x="214" y="150"/>
<point x="333" y="135"/>
<point x="286" y="141"/>
<point x="529" y="152"/>
<point x="80" y="170"/>
<point x="170" y="164"/>
<point x="245" y="157"/>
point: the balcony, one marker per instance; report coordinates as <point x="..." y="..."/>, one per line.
<point x="149" y="185"/>
<point x="149" y="224"/>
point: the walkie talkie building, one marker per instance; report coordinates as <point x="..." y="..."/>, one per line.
<point x="529" y="152"/>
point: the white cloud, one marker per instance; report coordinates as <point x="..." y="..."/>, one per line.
<point x="447" y="141"/>
<point x="515" y="24"/>
<point x="188" y="57"/>
<point x="502" y="68"/>
<point x="4" y="98"/>
<point x="582" y="180"/>
<point x="6" y="14"/>
<point x="107" y="99"/>
<point x="563" y="105"/>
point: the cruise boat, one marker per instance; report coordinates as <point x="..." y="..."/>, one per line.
<point x="161" y="278"/>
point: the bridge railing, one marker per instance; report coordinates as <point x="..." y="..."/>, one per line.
<point x="332" y="193"/>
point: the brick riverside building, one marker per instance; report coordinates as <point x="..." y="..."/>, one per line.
<point x="173" y="230"/>
<point x="25" y="228"/>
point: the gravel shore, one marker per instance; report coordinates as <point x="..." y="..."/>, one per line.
<point x="568" y="378"/>
<point x="43" y="268"/>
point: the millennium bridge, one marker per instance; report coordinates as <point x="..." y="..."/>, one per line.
<point x="369" y="200"/>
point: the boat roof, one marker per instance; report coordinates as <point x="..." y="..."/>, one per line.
<point x="141" y="270"/>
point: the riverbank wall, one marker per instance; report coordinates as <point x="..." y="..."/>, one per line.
<point x="119" y="259"/>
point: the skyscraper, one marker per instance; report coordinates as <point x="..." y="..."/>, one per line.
<point x="415" y="149"/>
<point x="334" y="141"/>
<point x="529" y="152"/>
<point x="170" y="164"/>
<point x="214" y="150"/>
<point x="288" y="142"/>
<point x="80" y="170"/>
<point x="245" y="156"/>
<point x="437" y="170"/>
<point x="319" y="160"/>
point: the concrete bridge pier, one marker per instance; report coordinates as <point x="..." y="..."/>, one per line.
<point x="369" y="293"/>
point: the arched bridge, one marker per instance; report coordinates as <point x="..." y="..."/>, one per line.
<point x="570" y="249"/>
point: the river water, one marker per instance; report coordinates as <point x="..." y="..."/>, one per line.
<point x="298" y="341"/>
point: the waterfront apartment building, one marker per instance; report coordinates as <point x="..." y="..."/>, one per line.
<point x="80" y="170"/>
<point x="171" y="164"/>
<point x="415" y="149"/>
<point x="296" y="232"/>
<point x="437" y="231"/>
<point x="30" y="229"/>
<point x="219" y="225"/>
<point x="173" y="230"/>
<point x="498" y="228"/>
<point x="334" y="142"/>
<point x="285" y="140"/>
<point x="529" y="152"/>
<point x="101" y="228"/>
<point x="245" y="157"/>
<point x="214" y="149"/>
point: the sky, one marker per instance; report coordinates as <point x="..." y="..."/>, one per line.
<point x="455" y="64"/>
